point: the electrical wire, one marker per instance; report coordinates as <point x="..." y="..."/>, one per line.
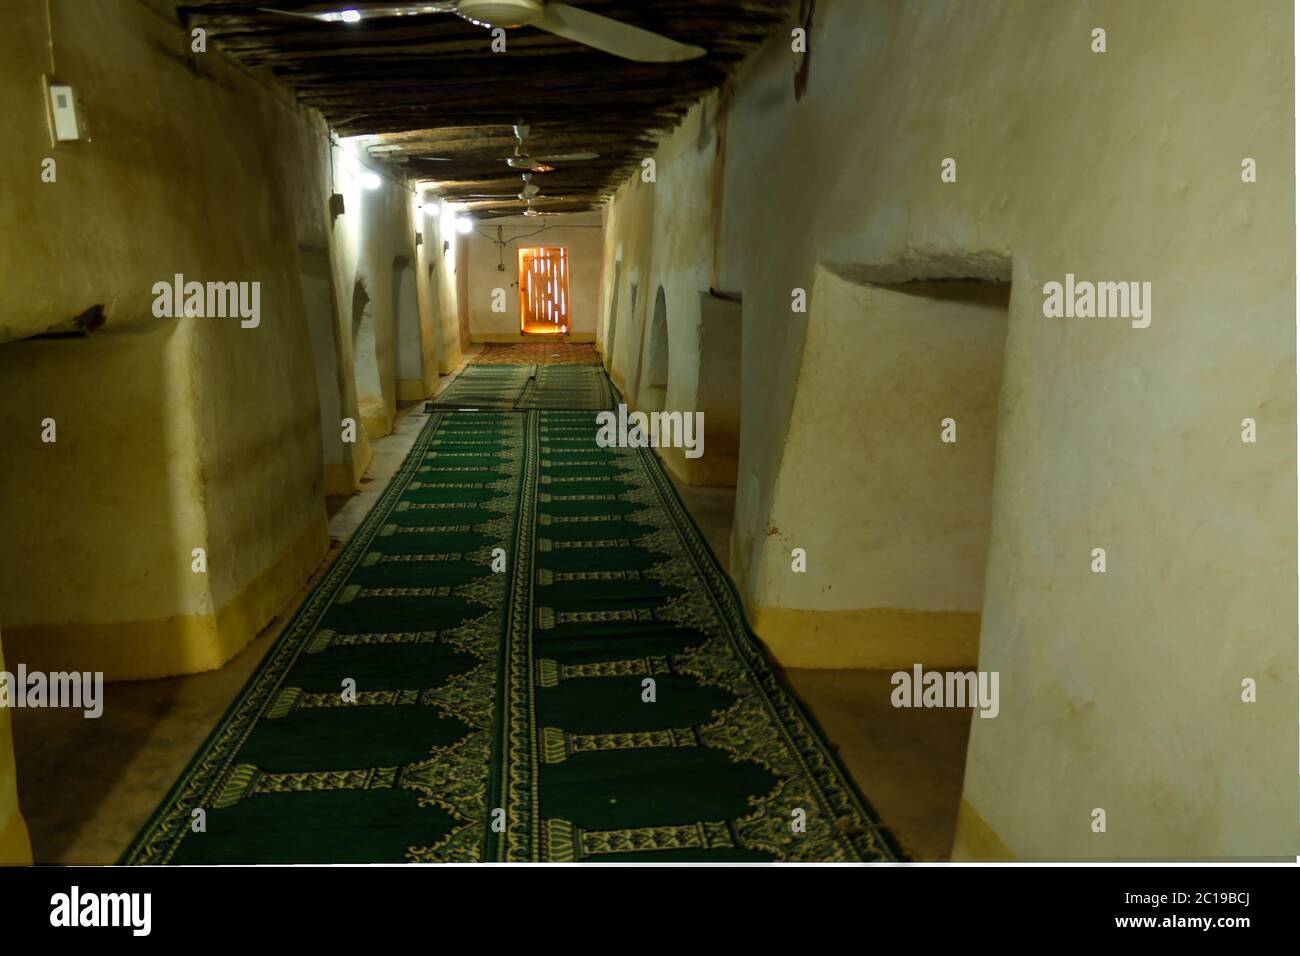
<point x="49" y="36"/>
<point x="505" y="242"/>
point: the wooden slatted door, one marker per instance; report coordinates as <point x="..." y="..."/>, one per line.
<point x="544" y="290"/>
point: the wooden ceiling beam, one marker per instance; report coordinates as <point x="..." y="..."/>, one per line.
<point x="432" y="85"/>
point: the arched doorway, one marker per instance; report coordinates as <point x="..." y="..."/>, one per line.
<point x="654" y="388"/>
<point x="630" y="384"/>
<point x="365" y="363"/>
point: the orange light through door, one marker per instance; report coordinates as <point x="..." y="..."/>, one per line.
<point x="544" y="290"/>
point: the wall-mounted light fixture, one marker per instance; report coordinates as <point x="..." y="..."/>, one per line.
<point x="464" y="225"/>
<point x="371" y="180"/>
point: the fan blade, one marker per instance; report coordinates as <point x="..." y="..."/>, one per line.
<point x="368" y="13"/>
<point x="566" y="158"/>
<point x="611" y="36"/>
<point x="527" y="162"/>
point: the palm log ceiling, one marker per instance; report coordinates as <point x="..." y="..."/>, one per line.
<point x="440" y="104"/>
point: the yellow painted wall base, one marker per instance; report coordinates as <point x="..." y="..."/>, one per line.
<point x="339" y="480"/>
<point x="268" y="594"/>
<point x="520" y="337"/>
<point x="376" y="424"/>
<point x="185" y="644"/>
<point x="975" y="839"/>
<point x="361" y="460"/>
<point x="711" y="471"/>
<point x="411" y="390"/>
<point x="15" y="846"/>
<point x="875" y="638"/>
<point x="344" y="478"/>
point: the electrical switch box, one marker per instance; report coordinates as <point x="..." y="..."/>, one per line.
<point x="63" y="112"/>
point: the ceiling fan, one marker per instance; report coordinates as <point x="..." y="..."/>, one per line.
<point x="562" y="19"/>
<point x="530" y="192"/>
<point x="530" y="210"/>
<point x="540" y="164"/>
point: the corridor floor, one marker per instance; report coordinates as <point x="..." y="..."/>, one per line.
<point x="525" y="652"/>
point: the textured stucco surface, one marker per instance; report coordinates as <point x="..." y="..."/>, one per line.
<point x="660" y="232"/>
<point x="1121" y="690"/>
<point x="912" y="511"/>
<point x="579" y="233"/>
<point x="192" y="432"/>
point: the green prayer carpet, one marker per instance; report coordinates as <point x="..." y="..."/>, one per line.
<point x="502" y="611"/>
